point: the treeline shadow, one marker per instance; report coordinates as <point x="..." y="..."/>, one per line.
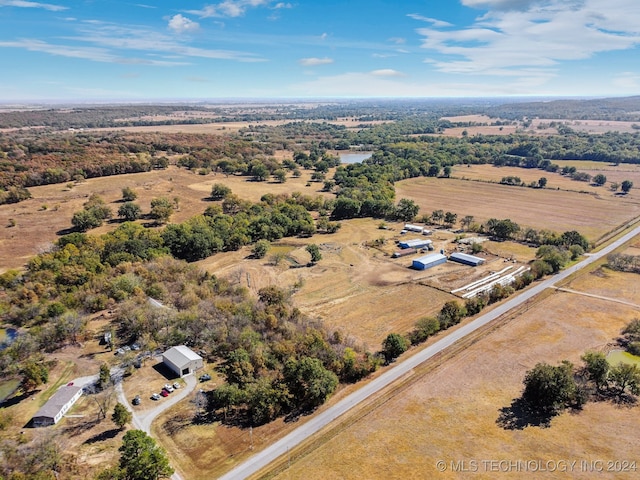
<point x="520" y="415"/>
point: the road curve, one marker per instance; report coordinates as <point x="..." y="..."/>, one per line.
<point x="281" y="447"/>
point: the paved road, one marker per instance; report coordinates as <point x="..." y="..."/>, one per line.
<point x="281" y="447"/>
<point x="142" y="420"/>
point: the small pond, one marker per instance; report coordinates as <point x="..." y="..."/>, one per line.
<point x="354" y="157"/>
<point x="617" y="356"/>
<point x="7" y="336"/>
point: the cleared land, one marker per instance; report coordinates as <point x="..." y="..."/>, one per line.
<point x="51" y="207"/>
<point x="450" y="414"/>
<point x="490" y="173"/>
<point x="556" y="210"/>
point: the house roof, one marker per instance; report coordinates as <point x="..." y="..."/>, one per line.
<point x="466" y="257"/>
<point x="181" y="355"/>
<point x="57" y="401"/>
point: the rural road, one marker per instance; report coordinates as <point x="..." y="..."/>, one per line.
<point x="281" y="447"/>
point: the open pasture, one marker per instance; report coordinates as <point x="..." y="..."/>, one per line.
<point x="491" y="173"/>
<point x="556" y="210"/>
<point x="51" y="207"/>
<point x="451" y="413"/>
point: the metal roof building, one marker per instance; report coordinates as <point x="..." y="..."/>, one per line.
<point x="415" y="243"/>
<point x="466" y="259"/>
<point x="428" y="261"/>
<point x="61" y="401"/>
<point x="182" y="360"/>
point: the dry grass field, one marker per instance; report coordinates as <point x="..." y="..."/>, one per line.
<point x="51" y="207"/>
<point x="450" y="414"/>
<point x="490" y="173"/>
<point x="557" y="210"/>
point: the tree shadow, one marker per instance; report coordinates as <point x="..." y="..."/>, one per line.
<point x="520" y="415"/>
<point x="16" y="399"/>
<point x="66" y="231"/>
<point x="101" y="437"/>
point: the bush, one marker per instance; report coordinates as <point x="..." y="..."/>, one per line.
<point x="424" y="328"/>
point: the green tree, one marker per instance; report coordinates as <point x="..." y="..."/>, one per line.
<point x="437" y="216"/>
<point x="467" y="221"/>
<point x="280" y="175"/>
<point x="314" y="251"/>
<point x="33" y="374"/>
<point x="219" y="191"/>
<point x="553" y="256"/>
<point x="542" y="182"/>
<point x="161" y="209"/>
<point x="84" y="220"/>
<point x="550" y="389"/>
<point x="104" y="376"/>
<point x="596" y="367"/>
<point x="424" y="328"/>
<point x="142" y="459"/>
<point x="309" y="381"/>
<point x="260" y="248"/>
<point x="451" y="314"/>
<point x="599" y="179"/>
<point x="450" y="218"/>
<point x="406" y="210"/>
<point x="259" y="172"/>
<point x="121" y="416"/>
<point x="446" y="171"/>
<point x="393" y="346"/>
<point x="625" y="379"/>
<point x="129" y="211"/>
<point x="626" y="186"/>
<point x="128" y="194"/>
<point x="502" y="229"/>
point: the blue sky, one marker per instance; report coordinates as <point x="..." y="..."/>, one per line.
<point x="117" y="50"/>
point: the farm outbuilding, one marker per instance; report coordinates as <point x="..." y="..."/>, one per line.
<point x="413" y="228"/>
<point x="404" y="252"/>
<point x="182" y="360"/>
<point x="59" y="404"/>
<point x="415" y="243"/>
<point x="466" y="259"/>
<point x="428" y="261"/>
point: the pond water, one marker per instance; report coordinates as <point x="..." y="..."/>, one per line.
<point x="7" y="335"/>
<point x="354" y="157"/>
<point x="617" y="356"/>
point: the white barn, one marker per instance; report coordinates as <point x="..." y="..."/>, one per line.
<point x="182" y="360"/>
<point x="55" y="408"/>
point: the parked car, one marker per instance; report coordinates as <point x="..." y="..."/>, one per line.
<point x="155" y="396"/>
<point x="164" y="393"/>
<point x="205" y="377"/>
<point x="168" y="387"/>
<point x="176" y="385"/>
<point x="136" y="400"/>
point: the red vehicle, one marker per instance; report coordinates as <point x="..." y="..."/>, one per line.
<point x="164" y="393"/>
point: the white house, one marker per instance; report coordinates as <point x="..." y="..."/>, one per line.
<point x="55" y="408"/>
<point x="182" y="360"/>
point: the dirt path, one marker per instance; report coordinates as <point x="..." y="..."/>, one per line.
<point x="609" y="299"/>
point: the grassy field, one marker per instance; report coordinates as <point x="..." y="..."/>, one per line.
<point x="557" y="210"/>
<point x="38" y="219"/>
<point x="450" y="414"/>
<point x="490" y="173"/>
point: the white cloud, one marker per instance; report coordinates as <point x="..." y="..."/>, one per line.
<point x="433" y="21"/>
<point x="387" y="72"/>
<point x="180" y="24"/>
<point x="280" y="5"/>
<point x="147" y="41"/>
<point x="228" y="8"/>
<point x="502" y="4"/>
<point x="26" y="4"/>
<point x="539" y="37"/>
<point x="312" y="61"/>
<point x="627" y="81"/>
<point x="397" y="40"/>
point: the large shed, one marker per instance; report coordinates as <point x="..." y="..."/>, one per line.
<point x="466" y="259"/>
<point x="415" y="243"/>
<point x="61" y="401"/>
<point x="182" y="360"/>
<point x="428" y="261"/>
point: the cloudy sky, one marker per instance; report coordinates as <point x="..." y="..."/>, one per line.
<point x="118" y="50"/>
